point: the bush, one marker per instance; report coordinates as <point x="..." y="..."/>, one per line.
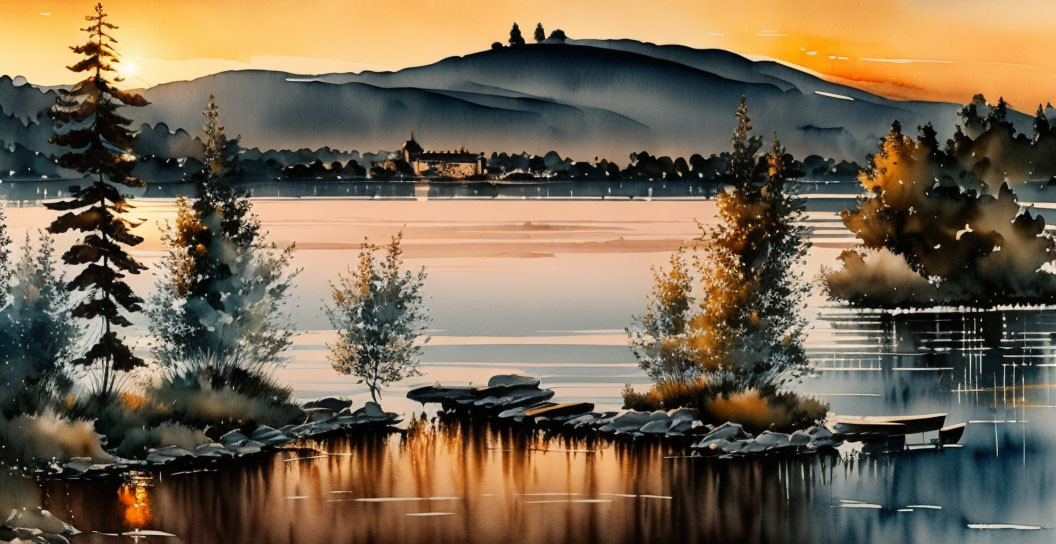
<point x="48" y="436"/>
<point x="757" y="410"/>
<point x="200" y="397"/>
<point x="221" y="394"/>
<point x="138" y="441"/>
<point x="667" y="396"/>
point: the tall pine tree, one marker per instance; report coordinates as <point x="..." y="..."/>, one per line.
<point x="736" y="322"/>
<point x="100" y="147"/>
<point x="219" y="303"/>
<point x="750" y="331"/>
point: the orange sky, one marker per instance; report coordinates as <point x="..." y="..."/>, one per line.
<point x="930" y="49"/>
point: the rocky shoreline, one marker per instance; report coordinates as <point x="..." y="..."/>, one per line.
<point x="322" y="418"/>
<point x="520" y="401"/>
<point x="36" y="526"/>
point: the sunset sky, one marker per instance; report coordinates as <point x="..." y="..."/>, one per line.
<point x="934" y="49"/>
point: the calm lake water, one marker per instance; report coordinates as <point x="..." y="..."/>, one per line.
<point x="545" y="287"/>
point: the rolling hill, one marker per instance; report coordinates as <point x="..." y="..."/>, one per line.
<point x="585" y="99"/>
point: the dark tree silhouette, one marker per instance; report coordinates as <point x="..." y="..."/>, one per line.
<point x="540" y="34"/>
<point x="515" y="35"/>
<point x="1041" y="124"/>
<point x="100" y="142"/>
<point x="558" y="35"/>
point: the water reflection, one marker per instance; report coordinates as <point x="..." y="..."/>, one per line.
<point x="135" y="500"/>
<point x="459" y="482"/>
<point x="965" y="362"/>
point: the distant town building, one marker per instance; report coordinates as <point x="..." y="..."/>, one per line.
<point x="459" y="164"/>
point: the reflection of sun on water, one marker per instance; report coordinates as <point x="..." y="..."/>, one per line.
<point x="134" y="498"/>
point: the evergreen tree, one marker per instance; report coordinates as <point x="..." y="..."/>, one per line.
<point x="379" y="314"/>
<point x="746" y="331"/>
<point x="515" y="36"/>
<point x="8" y="382"/>
<point x="100" y="143"/>
<point x="999" y="115"/>
<point x="220" y="160"/>
<point x="1041" y="124"/>
<point x="540" y="34"/>
<point x="222" y="288"/>
<point x="744" y="161"/>
<point x="749" y="330"/>
<point x="36" y="333"/>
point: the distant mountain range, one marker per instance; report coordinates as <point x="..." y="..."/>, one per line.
<point x="583" y="98"/>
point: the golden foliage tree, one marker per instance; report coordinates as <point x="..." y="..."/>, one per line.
<point x="746" y="329"/>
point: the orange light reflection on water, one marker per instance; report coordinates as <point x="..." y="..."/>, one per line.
<point x="135" y="500"/>
<point x="464" y="483"/>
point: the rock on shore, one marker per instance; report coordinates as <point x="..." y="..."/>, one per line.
<point x="36" y="526"/>
<point x="322" y="418"/>
<point x="520" y="400"/>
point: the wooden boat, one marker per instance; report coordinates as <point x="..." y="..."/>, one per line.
<point x="881" y="425"/>
<point x="952" y="434"/>
<point x="861" y="428"/>
<point x="914" y="424"/>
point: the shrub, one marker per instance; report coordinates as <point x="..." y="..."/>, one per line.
<point x="138" y="441"/>
<point x="47" y="436"/>
<point x="757" y="410"/>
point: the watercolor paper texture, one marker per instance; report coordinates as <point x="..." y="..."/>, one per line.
<point x="541" y="272"/>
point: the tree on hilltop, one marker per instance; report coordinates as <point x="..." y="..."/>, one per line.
<point x="515" y="36"/>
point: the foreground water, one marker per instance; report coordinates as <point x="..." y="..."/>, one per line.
<point x="545" y="287"/>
